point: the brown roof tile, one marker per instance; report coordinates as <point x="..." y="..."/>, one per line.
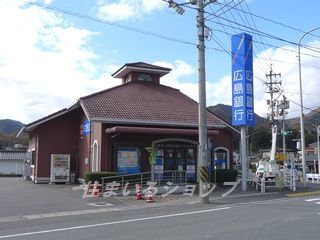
<point x="141" y="102"/>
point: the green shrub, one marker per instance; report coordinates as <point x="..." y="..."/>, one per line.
<point x="96" y="176"/>
<point x="224" y="175"/>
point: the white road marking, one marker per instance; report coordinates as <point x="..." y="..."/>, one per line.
<point x="112" y="223"/>
<point x="57" y="214"/>
<point x="312" y="199"/>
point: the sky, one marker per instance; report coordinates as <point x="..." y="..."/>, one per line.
<point x="52" y="52"/>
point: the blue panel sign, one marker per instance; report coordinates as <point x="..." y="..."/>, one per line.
<point x="242" y="80"/>
<point x="85" y="128"/>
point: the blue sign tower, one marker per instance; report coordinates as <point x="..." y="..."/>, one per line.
<point x="242" y="80"/>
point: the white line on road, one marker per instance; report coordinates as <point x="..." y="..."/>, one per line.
<point x="112" y="223"/>
<point x="312" y="199"/>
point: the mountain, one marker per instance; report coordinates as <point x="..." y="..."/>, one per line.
<point x="225" y="111"/>
<point x="311" y="120"/>
<point x="8" y="126"/>
<point x="8" y="131"/>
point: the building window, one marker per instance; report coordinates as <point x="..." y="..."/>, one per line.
<point x="221" y="158"/>
<point x="95" y="157"/>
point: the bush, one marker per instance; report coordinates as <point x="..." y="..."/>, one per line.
<point x="96" y="176"/>
<point x="224" y="175"/>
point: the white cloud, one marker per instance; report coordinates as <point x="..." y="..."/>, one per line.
<point x="45" y="64"/>
<point x="217" y="92"/>
<point x="175" y="79"/>
<point x="127" y="9"/>
<point x="286" y="63"/>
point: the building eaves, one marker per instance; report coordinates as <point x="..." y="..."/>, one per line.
<point x="140" y="67"/>
<point x="30" y="126"/>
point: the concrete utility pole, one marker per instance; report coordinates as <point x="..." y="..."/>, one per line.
<point x="203" y="172"/>
<point x="273" y="87"/>
<point x="282" y="107"/>
<point x="203" y="147"/>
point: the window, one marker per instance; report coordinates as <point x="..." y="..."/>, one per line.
<point x="95" y="157"/>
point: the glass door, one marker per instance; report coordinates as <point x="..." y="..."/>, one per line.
<point x="169" y="160"/>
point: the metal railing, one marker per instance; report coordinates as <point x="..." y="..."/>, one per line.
<point x="173" y="176"/>
<point x="130" y="180"/>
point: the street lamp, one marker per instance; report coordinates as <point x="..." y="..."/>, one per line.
<point x="301" y="110"/>
<point x="318" y="144"/>
<point x="318" y="149"/>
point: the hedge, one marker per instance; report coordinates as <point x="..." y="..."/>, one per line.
<point x="96" y="176"/>
<point x="224" y="175"/>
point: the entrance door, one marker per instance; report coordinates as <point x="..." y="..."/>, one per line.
<point x="174" y="159"/>
<point x="169" y="160"/>
<point x="181" y="159"/>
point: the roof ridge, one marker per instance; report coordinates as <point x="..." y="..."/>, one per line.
<point x="121" y="85"/>
<point x="102" y="91"/>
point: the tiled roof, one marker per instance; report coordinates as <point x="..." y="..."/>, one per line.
<point x="146" y="65"/>
<point x="140" y="67"/>
<point x="13" y="155"/>
<point x="145" y="103"/>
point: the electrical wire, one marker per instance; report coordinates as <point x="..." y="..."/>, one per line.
<point x="272" y="21"/>
<point x="257" y="31"/>
<point x="99" y="20"/>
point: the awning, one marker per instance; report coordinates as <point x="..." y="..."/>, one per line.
<point x="159" y="131"/>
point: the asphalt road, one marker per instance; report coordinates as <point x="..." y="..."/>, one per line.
<point x="282" y="218"/>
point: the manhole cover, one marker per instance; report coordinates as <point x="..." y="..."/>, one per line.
<point x="99" y="204"/>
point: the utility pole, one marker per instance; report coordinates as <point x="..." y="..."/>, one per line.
<point x="272" y="87"/>
<point x="203" y="147"/>
<point x="203" y="172"/>
<point x="282" y="106"/>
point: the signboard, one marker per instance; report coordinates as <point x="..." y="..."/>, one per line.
<point x="191" y="168"/>
<point x="242" y="80"/>
<point x="85" y="128"/>
<point x="60" y="168"/>
<point x="128" y="160"/>
<point x="158" y="169"/>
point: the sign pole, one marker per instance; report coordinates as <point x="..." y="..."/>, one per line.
<point x="243" y="159"/>
<point x="242" y="94"/>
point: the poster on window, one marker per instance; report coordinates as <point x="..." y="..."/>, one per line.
<point x="128" y="160"/>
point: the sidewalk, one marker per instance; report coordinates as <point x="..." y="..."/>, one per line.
<point x="24" y="200"/>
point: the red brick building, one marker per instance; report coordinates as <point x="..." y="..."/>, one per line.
<point x="113" y="130"/>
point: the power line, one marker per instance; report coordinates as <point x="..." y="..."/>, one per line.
<point x="257" y="31"/>
<point x="312" y="110"/>
<point x="229" y="53"/>
<point x="99" y="20"/>
<point x="272" y="21"/>
<point x="270" y="45"/>
<point x="294" y="92"/>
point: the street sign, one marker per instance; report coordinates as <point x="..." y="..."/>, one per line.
<point x="242" y="80"/>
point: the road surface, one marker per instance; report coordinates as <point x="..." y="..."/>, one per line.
<point x="282" y="218"/>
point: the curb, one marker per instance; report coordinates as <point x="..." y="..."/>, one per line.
<point x="302" y="194"/>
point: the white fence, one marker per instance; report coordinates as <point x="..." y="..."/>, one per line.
<point x="287" y="180"/>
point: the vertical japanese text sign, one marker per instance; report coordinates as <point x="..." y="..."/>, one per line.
<point x="242" y="80"/>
